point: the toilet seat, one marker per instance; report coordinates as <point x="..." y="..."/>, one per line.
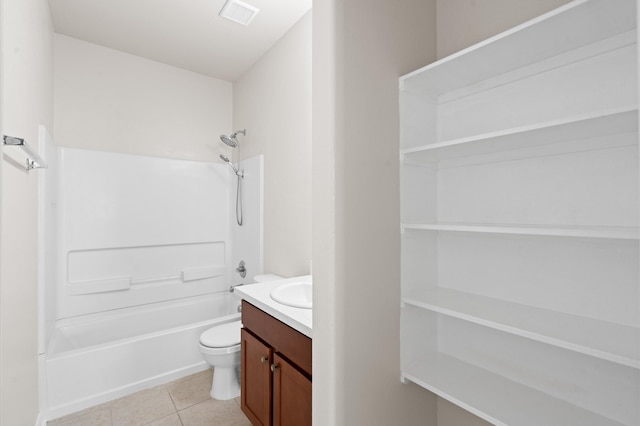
<point x="222" y="336"/>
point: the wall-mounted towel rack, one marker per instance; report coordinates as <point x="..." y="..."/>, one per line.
<point x="34" y="161"/>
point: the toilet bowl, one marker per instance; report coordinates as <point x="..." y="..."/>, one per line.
<point x="220" y="348"/>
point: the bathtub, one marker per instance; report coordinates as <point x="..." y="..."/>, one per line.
<point x="100" y="357"/>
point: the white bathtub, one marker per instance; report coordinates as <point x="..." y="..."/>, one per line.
<point x="105" y="356"/>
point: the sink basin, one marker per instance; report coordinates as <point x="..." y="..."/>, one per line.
<point x="296" y="294"/>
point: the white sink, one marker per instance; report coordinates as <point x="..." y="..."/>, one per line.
<point x="296" y="294"/>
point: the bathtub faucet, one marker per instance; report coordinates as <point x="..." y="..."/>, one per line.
<point x="241" y="270"/>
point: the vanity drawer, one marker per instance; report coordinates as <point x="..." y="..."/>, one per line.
<point x="285" y="340"/>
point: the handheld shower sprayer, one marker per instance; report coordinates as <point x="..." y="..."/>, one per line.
<point x="235" y="169"/>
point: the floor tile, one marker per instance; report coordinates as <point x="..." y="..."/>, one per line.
<point x="172" y="420"/>
<point x="214" y="413"/>
<point x="92" y="416"/>
<point x="185" y="401"/>
<point x="142" y="407"/>
<point x="192" y="390"/>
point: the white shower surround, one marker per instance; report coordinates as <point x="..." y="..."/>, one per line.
<point x="144" y="263"/>
<point x="135" y="230"/>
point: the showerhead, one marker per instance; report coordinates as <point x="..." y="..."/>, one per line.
<point x="231" y="140"/>
<point x="226" y="160"/>
<point x="227" y="140"/>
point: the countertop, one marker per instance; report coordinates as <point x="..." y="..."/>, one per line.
<point x="258" y="295"/>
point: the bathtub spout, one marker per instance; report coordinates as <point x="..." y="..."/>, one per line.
<point x="234" y="286"/>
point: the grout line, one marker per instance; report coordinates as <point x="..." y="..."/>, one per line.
<point x="175" y="408"/>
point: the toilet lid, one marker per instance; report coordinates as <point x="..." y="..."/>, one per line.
<point x="222" y="336"/>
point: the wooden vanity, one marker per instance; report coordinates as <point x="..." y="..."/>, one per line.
<point x="275" y="370"/>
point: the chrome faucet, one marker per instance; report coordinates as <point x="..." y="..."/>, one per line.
<point x="241" y="270"/>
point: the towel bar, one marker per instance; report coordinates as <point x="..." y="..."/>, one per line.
<point x="34" y="161"/>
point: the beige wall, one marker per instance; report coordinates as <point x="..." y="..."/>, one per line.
<point x="328" y="313"/>
<point x="26" y="102"/>
<point x="462" y="23"/>
<point x="272" y="101"/>
<point x="361" y="47"/>
<point x="112" y="101"/>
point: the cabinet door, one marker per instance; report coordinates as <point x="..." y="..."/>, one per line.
<point x="291" y="395"/>
<point x="256" y="379"/>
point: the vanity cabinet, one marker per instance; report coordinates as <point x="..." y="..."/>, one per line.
<point x="519" y="207"/>
<point x="291" y="394"/>
<point x="257" y="380"/>
<point x="275" y="371"/>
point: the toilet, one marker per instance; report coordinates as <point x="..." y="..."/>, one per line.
<point x="220" y="348"/>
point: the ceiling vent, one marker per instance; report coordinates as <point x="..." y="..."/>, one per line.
<point x="240" y="12"/>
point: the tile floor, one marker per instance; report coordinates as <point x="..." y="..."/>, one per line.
<point x="184" y="402"/>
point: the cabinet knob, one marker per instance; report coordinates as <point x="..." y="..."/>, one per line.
<point x="264" y="359"/>
<point x="274" y="367"/>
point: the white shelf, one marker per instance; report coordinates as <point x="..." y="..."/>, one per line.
<point x="567" y="28"/>
<point x="612" y="232"/>
<point x="605" y="340"/>
<point x="494" y="398"/>
<point x="587" y="126"/>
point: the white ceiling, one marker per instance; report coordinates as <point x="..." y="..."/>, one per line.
<point x="185" y="33"/>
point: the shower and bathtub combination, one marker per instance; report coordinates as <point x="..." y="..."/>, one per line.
<point x="141" y="256"/>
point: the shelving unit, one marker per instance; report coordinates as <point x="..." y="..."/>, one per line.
<point x="520" y="234"/>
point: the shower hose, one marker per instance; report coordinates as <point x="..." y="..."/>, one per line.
<point x="239" y="202"/>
